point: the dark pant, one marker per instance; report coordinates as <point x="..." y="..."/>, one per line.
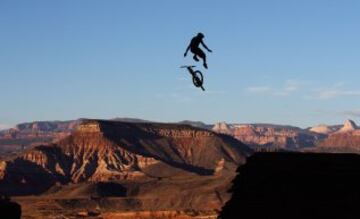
<point x="198" y="52"/>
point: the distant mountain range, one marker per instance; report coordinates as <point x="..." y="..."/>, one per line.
<point x="264" y="137"/>
<point x="270" y="137"/>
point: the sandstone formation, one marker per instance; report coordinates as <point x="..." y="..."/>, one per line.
<point x="107" y="150"/>
<point x="111" y="167"/>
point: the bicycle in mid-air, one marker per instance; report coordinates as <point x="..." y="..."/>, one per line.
<point x="197" y="76"/>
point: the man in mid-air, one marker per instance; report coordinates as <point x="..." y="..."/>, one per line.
<point x="194" y="48"/>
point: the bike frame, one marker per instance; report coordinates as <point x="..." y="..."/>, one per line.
<point x="189" y="68"/>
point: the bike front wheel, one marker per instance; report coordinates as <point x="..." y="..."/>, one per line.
<point x="198" y="79"/>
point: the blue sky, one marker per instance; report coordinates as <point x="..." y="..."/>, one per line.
<point x="281" y="61"/>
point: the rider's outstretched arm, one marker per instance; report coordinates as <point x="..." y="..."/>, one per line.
<point x="203" y="44"/>
<point x="187" y="49"/>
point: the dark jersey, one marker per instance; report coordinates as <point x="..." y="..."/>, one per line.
<point x="195" y="43"/>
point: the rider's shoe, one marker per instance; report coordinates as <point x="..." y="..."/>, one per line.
<point x="205" y="65"/>
<point x="195" y="58"/>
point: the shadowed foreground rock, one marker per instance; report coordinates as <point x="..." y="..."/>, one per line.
<point x="8" y="209"/>
<point x="296" y="185"/>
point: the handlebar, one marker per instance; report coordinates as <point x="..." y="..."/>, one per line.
<point x="188" y="66"/>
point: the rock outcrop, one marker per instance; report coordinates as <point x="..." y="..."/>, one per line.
<point x="322" y="129"/>
<point x="349" y="126"/>
<point x="222" y="128"/>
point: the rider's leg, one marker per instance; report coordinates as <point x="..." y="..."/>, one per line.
<point x="205" y="64"/>
<point x="196" y="52"/>
<point x="195" y="58"/>
<point x="202" y="55"/>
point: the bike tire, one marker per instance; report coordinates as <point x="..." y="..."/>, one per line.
<point x="198" y="78"/>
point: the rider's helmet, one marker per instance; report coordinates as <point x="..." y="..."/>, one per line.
<point x="200" y="35"/>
